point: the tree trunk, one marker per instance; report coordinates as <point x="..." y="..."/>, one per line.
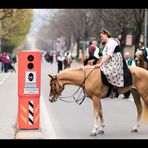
<point x="68" y="43"/>
<point x="78" y="47"/>
<point x="123" y="42"/>
<point x="137" y="39"/>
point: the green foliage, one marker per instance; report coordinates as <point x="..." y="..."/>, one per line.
<point x="15" y="28"/>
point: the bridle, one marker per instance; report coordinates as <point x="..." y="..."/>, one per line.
<point x="78" y="101"/>
<point x="55" y="93"/>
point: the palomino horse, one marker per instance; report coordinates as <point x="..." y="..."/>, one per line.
<point x="139" y="60"/>
<point x="95" y="89"/>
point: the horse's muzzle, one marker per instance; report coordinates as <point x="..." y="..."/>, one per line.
<point x="52" y="99"/>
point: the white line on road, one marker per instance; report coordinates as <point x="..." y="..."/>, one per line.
<point x="46" y="121"/>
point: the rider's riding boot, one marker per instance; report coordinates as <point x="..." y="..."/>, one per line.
<point x="115" y="93"/>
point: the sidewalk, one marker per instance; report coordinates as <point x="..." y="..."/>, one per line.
<point x="8" y="105"/>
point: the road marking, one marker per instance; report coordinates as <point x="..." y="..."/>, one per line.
<point x="46" y="121"/>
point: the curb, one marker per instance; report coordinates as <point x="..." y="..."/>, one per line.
<point x="28" y="134"/>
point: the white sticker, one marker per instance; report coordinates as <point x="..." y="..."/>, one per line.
<point x="31" y="91"/>
<point x="30" y="79"/>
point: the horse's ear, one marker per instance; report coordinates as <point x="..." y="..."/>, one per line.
<point x="50" y="76"/>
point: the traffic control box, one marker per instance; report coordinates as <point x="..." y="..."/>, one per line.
<point x="29" y="77"/>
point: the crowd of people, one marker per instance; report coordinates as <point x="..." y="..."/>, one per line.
<point x="63" y="59"/>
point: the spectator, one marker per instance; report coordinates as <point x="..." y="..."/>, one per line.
<point x="144" y="50"/>
<point x="91" y="54"/>
<point x="6" y="61"/>
<point x="129" y="61"/>
<point x="60" y="59"/>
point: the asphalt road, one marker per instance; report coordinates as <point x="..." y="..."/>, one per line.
<point x="8" y="105"/>
<point x="61" y="120"/>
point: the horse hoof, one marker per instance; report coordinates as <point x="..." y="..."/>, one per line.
<point x="93" y="134"/>
<point x="134" y="131"/>
<point x="100" y="132"/>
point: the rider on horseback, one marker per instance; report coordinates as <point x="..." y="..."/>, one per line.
<point x="113" y="65"/>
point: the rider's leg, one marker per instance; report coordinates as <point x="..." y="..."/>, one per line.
<point x="115" y="93"/>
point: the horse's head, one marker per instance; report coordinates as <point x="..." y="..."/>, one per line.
<point x="56" y="88"/>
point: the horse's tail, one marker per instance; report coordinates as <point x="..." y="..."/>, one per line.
<point x="145" y="112"/>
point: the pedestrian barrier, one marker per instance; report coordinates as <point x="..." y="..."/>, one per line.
<point x="29" y="73"/>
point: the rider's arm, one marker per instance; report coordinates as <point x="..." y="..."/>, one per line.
<point x="110" y="47"/>
<point x="104" y="59"/>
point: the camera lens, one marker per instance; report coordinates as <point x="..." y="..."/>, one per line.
<point x="30" y="66"/>
<point x="30" y="58"/>
<point x="30" y="77"/>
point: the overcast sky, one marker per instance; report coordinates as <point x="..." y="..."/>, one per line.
<point x="37" y="18"/>
<point x="37" y="22"/>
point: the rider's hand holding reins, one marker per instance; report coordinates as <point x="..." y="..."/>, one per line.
<point x="103" y="60"/>
<point x="97" y="65"/>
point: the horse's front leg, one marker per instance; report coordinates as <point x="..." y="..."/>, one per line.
<point x="101" y="129"/>
<point x="96" y="114"/>
<point x="137" y="101"/>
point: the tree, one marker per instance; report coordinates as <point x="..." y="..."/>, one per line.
<point x="121" y="23"/>
<point x="138" y="27"/>
<point x="15" y="26"/>
<point x="82" y="24"/>
<point x="5" y="13"/>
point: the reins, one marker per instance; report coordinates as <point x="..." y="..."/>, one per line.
<point x="77" y="100"/>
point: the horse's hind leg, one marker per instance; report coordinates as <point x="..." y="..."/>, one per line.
<point x="101" y="129"/>
<point x="137" y="101"/>
<point x="96" y="107"/>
